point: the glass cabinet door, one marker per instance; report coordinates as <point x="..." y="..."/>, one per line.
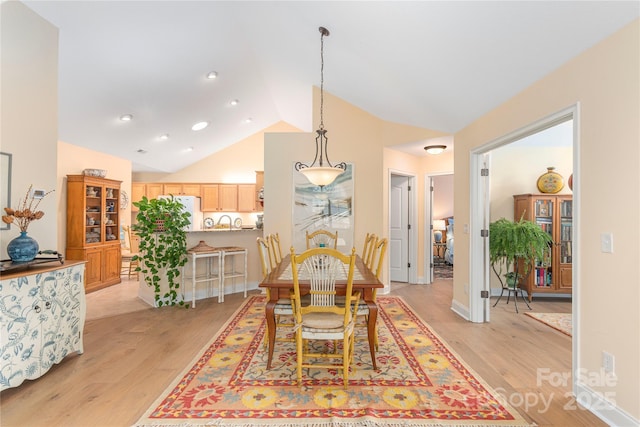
<point x="566" y="230"/>
<point x="93" y="203"/>
<point x="112" y="207"/>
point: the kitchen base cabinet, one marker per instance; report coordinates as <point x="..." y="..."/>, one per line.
<point x="42" y="314"/>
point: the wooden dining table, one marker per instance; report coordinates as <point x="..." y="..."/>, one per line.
<point x="280" y="282"/>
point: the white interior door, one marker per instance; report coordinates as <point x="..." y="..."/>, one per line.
<point x="399" y="229"/>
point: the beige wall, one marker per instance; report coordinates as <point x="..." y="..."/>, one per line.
<point x="357" y="137"/>
<point x="604" y="81"/>
<point x="29" y="131"/>
<point x="515" y="170"/>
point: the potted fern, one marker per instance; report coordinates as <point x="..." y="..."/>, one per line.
<point x="161" y="225"/>
<point x="514" y="247"/>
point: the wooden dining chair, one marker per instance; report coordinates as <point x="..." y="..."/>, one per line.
<point x="321" y="238"/>
<point x="322" y="321"/>
<point x="283" y="309"/>
<point x="367" y="251"/>
<point x="127" y="264"/>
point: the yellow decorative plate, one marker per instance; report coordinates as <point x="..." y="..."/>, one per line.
<point x="550" y="182"/>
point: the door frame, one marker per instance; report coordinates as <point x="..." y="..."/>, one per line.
<point x="413" y="215"/>
<point x="478" y="258"/>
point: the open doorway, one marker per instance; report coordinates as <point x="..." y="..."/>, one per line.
<point x="439" y="240"/>
<point x="481" y="200"/>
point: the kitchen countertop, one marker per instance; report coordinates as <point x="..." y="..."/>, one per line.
<point x="218" y="230"/>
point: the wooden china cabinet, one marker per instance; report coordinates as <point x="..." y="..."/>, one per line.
<point x="554" y="214"/>
<point x="93" y="228"/>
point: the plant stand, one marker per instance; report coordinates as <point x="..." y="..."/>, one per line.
<point x="515" y="290"/>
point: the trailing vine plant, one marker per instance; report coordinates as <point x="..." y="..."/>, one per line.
<point x="161" y="225"/>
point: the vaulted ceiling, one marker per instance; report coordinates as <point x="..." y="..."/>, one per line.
<point x="433" y="64"/>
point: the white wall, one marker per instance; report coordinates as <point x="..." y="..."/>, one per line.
<point x="29" y="131"/>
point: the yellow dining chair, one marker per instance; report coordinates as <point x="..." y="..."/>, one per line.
<point x="362" y="310"/>
<point x="321" y="238"/>
<point x="367" y="251"/>
<point x="283" y="306"/>
<point x="322" y="321"/>
<point x="274" y="245"/>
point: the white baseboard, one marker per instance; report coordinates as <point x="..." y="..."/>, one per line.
<point x="460" y="310"/>
<point x="603" y="408"/>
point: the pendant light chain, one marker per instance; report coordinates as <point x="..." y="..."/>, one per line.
<point x="321" y="174"/>
<point x="322" y="80"/>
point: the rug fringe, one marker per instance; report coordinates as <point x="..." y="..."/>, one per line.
<point x="315" y="423"/>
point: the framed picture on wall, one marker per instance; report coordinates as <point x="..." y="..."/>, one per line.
<point x="328" y="208"/>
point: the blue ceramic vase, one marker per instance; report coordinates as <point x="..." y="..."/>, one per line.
<point x="23" y="248"/>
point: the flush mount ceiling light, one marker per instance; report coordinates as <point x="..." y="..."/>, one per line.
<point x="126" y="117"/>
<point x="435" y="149"/>
<point x="212" y="75"/>
<point x="322" y="174"/>
<point x="200" y="126"/>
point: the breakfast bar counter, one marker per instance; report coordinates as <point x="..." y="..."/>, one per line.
<point x="236" y="237"/>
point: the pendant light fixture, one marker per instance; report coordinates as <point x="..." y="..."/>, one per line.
<point x="324" y="173"/>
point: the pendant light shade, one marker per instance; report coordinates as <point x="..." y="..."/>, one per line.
<point x="324" y="173"/>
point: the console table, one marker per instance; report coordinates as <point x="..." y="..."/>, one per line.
<point x="42" y="314"/>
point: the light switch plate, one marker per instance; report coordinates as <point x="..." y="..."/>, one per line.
<point x="606" y="243"/>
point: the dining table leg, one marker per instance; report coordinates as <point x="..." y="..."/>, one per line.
<point x="371" y="330"/>
<point x="271" y="328"/>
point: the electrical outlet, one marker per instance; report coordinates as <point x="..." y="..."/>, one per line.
<point x="608" y="362"/>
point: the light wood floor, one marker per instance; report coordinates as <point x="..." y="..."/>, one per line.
<point x="133" y="352"/>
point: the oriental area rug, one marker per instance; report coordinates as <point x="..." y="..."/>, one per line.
<point x="420" y="381"/>
<point x="559" y="321"/>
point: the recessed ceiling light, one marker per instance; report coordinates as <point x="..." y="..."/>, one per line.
<point x="164" y="137"/>
<point x="212" y="75"/>
<point x="189" y="149"/>
<point x="248" y="120"/>
<point x="141" y="151"/>
<point x="234" y="102"/>
<point x="126" y="117"/>
<point x="200" y="126"/>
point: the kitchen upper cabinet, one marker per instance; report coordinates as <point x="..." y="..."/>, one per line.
<point x="210" y="196"/>
<point x="137" y="192"/>
<point x="246" y="198"/>
<point x="219" y="198"/>
<point x="228" y="198"/>
<point x="182" y="189"/>
<point x="259" y="186"/>
<point x="150" y="189"/>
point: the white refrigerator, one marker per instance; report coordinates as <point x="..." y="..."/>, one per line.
<point x="192" y="205"/>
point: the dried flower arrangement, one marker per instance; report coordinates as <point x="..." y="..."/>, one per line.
<point x="28" y="211"/>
